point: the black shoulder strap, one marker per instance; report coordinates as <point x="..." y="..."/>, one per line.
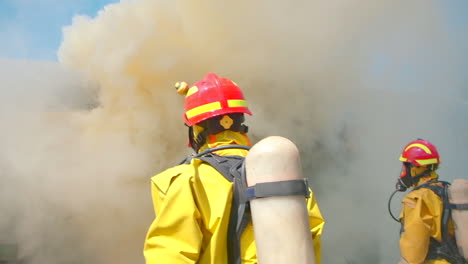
<point x="233" y="169"/>
<point x="437" y="189"/>
<point x="240" y="213"/>
<point x="187" y="159"/>
<point x="222" y="164"/>
<point x="442" y="192"/>
<point x="448" y="249"/>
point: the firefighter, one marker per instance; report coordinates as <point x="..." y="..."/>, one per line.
<point x="194" y="200"/>
<point x="422" y="238"/>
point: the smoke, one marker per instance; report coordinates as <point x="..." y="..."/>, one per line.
<point x="349" y="82"/>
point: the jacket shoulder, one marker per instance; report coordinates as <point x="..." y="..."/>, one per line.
<point x="164" y="179"/>
<point x="423" y="195"/>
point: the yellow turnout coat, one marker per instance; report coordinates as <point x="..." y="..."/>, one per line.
<point x="192" y="204"/>
<point x="421" y="216"/>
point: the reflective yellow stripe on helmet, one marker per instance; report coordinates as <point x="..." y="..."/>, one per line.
<point x="421" y="162"/>
<point x="237" y="103"/>
<point x="203" y="109"/>
<point x="425" y="148"/>
<point x="426" y="161"/>
<point x="191" y="91"/>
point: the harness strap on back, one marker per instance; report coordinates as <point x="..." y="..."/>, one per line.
<point x="222" y="164"/>
<point x="232" y="168"/>
<point x="240" y="213"/>
<point x="437" y="189"/>
<point x="447" y="248"/>
<point x="280" y="188"/>
<point x="187" y="159"/>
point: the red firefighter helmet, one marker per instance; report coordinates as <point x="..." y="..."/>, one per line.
<point x="420" y="153"/>
<point x="210" y="97"/>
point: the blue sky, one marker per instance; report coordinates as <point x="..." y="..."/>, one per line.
<point x="32" y="29"/>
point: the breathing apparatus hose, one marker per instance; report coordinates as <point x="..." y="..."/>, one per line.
<point x="389" y="207"/>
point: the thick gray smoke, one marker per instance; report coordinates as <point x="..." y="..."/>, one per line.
<point x="349" y="82"/>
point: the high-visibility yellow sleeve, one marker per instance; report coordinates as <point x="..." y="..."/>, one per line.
<point x="316" y="224"/>
<point x="175" y="235"/>
<point x="421" y="210"/>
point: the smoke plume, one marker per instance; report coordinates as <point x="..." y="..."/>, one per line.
<point x="350" y="82"/>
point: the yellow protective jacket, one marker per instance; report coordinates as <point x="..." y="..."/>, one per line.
<point x="421" y="219"/>
<point x="192" y="204"/>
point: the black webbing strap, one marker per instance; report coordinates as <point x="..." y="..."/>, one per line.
<point x="279" y="188"/>
<point x="187" y="159"/>
<point x="223" y="164"/>
<point x="232" y="168"/>
<point x="447" y="248"/>
<point x="447" y="214"/>
<point x="463" y="206"/>
<point x="240" y="213"/>
<point x="441" y="191"/>
<point x="437" y="189"/>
